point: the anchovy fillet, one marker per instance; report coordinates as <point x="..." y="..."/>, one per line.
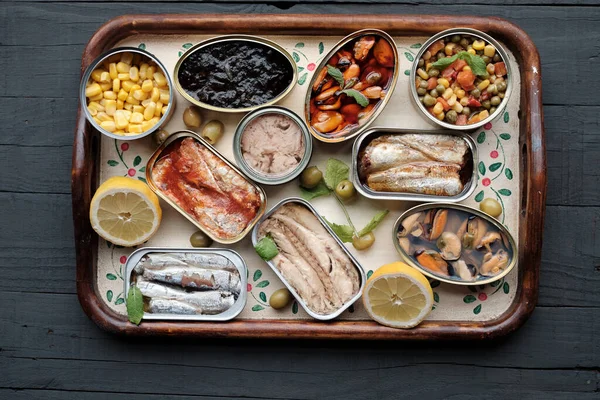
<point x="199" y="260"/>
<point x="196" y="278"/>
<point x="166" y="306"/>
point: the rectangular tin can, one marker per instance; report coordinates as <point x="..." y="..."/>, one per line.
<point x="179" y="136"/>
<point x="366" y="137"/>
<point x="360" y="269"/>
<point x="233" y="256"/>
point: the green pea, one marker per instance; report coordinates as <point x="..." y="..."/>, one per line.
<point x="434" y="93"/>
<point x="466" y="110"/>
<point x="464" y="42"/>
<point x="451" y="116"/>
<point x="495" y="101"/>
<point x="440" y="89"/>
<point x="501" y="86"/>
<point x="441" y="55"/>
<point x="455" y="38"/>
<point x="421" y="99"/>
<point x="476" y="93"/>
<point x="428" y="100"/>
<point x="486" y="104"/>
<point x="492" y="110"/>
<point x="496" y="58"/>
<point x="422" y="91"/>
<point x="434" y="72"/>
<point x="486" y="59"/>
<point x="423" y="84"/>
<point x="421" y="62"/>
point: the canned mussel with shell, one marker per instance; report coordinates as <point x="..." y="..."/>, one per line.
<point x="191" y="175"/>
<point x="454" y="243"/>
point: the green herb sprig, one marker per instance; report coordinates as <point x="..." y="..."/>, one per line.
<point x="475" y="62"/>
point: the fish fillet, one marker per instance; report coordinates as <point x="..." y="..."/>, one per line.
<point x="196" y="278"/>
<point x="199" y="260"/>
<point x="166" y="306"/>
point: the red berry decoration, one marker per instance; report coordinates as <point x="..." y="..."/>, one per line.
<point x="311" y="67"/>
<point x="124" y="146"/>
<point x="249" y="287"/>
<point x="131" y="172"/>
<point x="488" y="126"/>
<point x="494" y="154"/>
<point x="123" y="259"/>
<point x="486" y="181"/>
<point x="482" y="297"/>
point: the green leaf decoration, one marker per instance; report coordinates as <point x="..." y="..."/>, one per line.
<point x="179" y="53"/>
<point x="302" y="78"/>
<point x="477" y="309"/>
<point x="416" y="46"/>
<point x="495" y="283"/>
<point x="300" y="69"/>
<point x="436" y="297"/>
<point x="360" y="98"/>
<point x="119" y="301"/>
<point x="257" y="307"/>
<point x="257" y="275"/>
<point x="142" y="46"/>
<point x="407" y="72"/>
<point x="263" y="296"/>
<point x="479" y="197"/>
<point x="320" y="190"/>
<point x="336" y="74"/>
<point x="481" y="137"/>
<point x="469" y="298"/>
<point x="505" y="136"/>
<point x="262" y="284"/>
<point x="481" y="167"/>
<point x="299" y="45"/>
<point x="295" y="307"/>
<point x="111" y="277"/>
<point x="135" y="305"/>
<point x="475" y="62"/>
<point x="508" y="173"/>
<point x="369" y="273"/>
<point x="495" y="166"/>
<point x="506" y="287"/>
<point x="109" y="295"/>
<point x="434" y="283"/>
<point x="296" y="57"/>
<point x="335" y="172"/>
<point x="186" y="45"/>
<point x="344" y="232"/>
<point x="321" y="48"/>
<point x="506" y="117"/>
<point x="409" y="56"/>
<point x="112" y="163"/>
<point x="137" y="160"/>
<point x="373" y="223"/>
<point x="142" y="179"/>
<point x="143" y="169"/>
<point x="505" y="192"/>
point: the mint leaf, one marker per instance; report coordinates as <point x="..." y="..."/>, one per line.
<point x="336" y="74"/>
<point x="266" y="248"/>
<point x="443" y="63"/>
<point x="360" y="98"/>
<point x="476" y="63"/>
<point x="135" y="305"/>
<point x="320" y="190"/>
<point x="335" y="172"/>
<point x="373" y="223"/>
<point x="344" y="232"/>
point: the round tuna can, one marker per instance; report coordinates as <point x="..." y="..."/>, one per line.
<point x="272" y="145"/>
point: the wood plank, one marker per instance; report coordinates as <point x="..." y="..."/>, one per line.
<point x="54" y="394"/>
<point x="571" y="36"/>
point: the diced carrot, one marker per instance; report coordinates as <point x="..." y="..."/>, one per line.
<point x="444" y="103"/>
<point x="500" y="69"/>
<point x="458" y="64"/>
<point x="461" y="120"/>
<point x="473" y="102"/>
<point x="465" y="79"/>
<point x="436" y="47"/>
<point x="431" y="83"/>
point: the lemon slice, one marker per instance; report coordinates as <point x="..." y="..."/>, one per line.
<point x="124" y="211"/>
<point x="398" y="296"/>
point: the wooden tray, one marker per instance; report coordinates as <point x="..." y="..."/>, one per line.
<point x="532" y="176"/>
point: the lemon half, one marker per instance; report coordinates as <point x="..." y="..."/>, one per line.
<point x="124" y="211"/>
<point x="398" y="296"/>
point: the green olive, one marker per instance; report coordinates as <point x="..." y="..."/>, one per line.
<point x="428" y="100"/>
<point x="311" y="177"/>
<point x="434" y="72"/>
<point x="501" y="86"/>
<point x="280" y="298"/>
<point x="200" y="239"/>
<point x="421" y="91"/>
<point x="192" y="118"/>
<point x="212" y="131"/>
<point x="345" y="189"/>
<point x="451" y="116"/>
<point x="491" y="207"/>
<point x="495" y="100"/>
<point x="160" y="136"/>
<point x="363" y="242"/>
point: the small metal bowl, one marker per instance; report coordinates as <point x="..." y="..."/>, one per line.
<point x="461" y="31"/>
<point x="407" y="258"/>
<point x="235" y="38"/>
<point x="257" y="176"/>
<point x="87" y="75"/>
<point x="380" y="106"/>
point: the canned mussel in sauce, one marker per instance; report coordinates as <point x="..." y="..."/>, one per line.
<point x="323" y="276"/>
<point x="412" y="165"/>
<point x="191" y="175"/>
<point x="454" y="243"/>
<point x="188" y="284"/>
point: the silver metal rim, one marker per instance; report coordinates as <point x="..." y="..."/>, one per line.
<point x="88" y="72"/>
<point x="422" y="207"/>
<point x="470" y="32"/>
<point x="255" y="175"/>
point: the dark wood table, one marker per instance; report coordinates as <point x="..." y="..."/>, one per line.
<point x="50" y="350"/>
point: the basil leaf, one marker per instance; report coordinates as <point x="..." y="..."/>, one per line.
<point x="135" y="305"/>
<point x="445" y="62"/>
<point x="335" y="172"/>
<point x="373" y="223"/>
<point x="336" y="74"/>
<point x="344" y="232"/>
<point x="266" y="248"/>
<point x="360" y="98"/>
<point x="320" y="190"/>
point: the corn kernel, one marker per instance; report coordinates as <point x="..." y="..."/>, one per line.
<point x="120" y="104"/>
<point x="122" y="95"/>
<point x="102" y="101"/>
<point x="438" y="108"/>
<point x="120" y="132"/>
<point x="165" y="97"/>
<point x="111" y="107"/>
<point x="150" y="72"/>
<point x="121" y="119"/>
<point x="155" y="95"/>
<point x="484" y="84"/>
<point x="143" y="69"/>
<point x="460" y="93"/>
<point x="146" y="102"/>
<point x="444" y="82"/>
<point x="102" y="116"/>
<point x="116" y="85"/>
<point x="449" y="49"/>
<point x="457" y="107"/>
<point x="98" y="97"/>
<point x="105" y="77"/>
<point x="92" y="111"/>
<point x="96" y="106"/>
<point x="136" y="118"/>
<point x="127" y="58"/>
<point x="147" y="125"/>
<point x="154" y="120"/>
<point x="478" y="45"/>
<point x="147" y="86"/>
<point x="97" y="75"/>
<point x="466" y="68"/>
<point x="449" y="92"/>
<point x="464" y="101"/>
<point x="124" y="76"/>
<point x="97" y="120"/>
<point x="452" y="100"/>
<point x="149" y="111"/>
<point x="159" y="107"/>
<point x="165" y="108"/>
<point x="440" y="116"/>
<point x="139" y="95"/>
<point x="134" y="73"/>
<point x="471" y="51"/>
<point x="106" y="86"/>
<point x="110" y="95"/>
<point x="492" y="79"/>
<point x="128" y="106"/>
<point x="489" y="51"/>
<point x="138" y="109"/>
<point x="422" y="74"/>
<point x="135" y="87"/>
<point x="132" y="100"/>
<point x="483" y="115"/>
<point x="123" y="67"/>
<point x="93" y="90"/>
<point x="108" y="125"/>
<point x="112" y="70"/>
<point x="134" y="128"/>
<point x="127" y="85"/>
<point x="159" y="77"/>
